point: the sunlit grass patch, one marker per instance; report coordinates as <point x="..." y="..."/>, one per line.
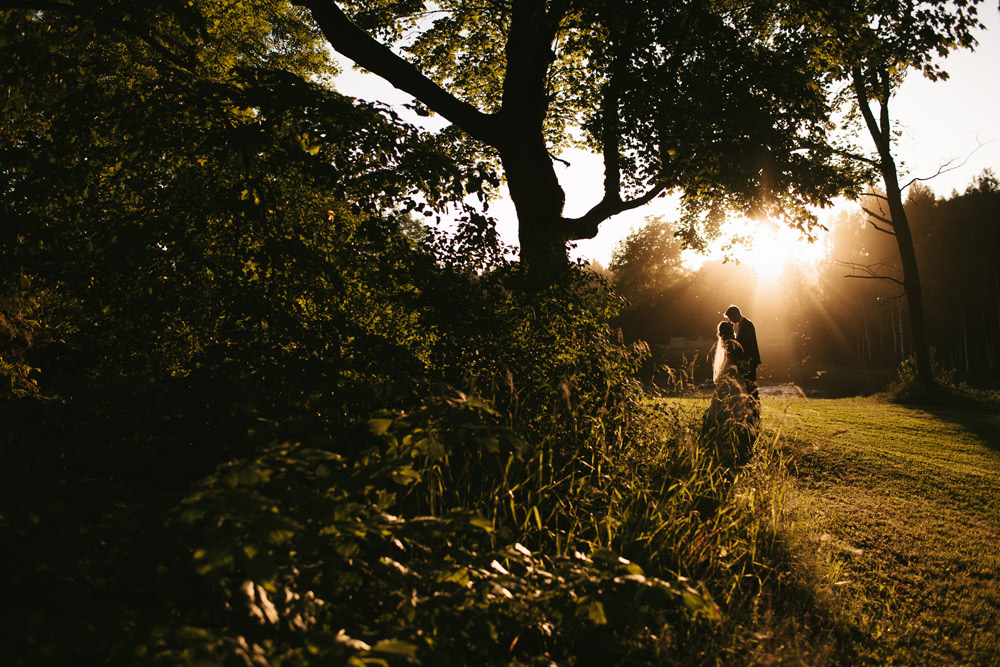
<point x="885" y="546"/>
<point x="906" y="520"/>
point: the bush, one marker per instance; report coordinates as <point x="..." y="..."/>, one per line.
<point x="22" y="331"/>
<point x="908" y="388"/>
<point x="323" y="557"/>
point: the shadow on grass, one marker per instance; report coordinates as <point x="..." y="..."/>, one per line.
<point x="975" y="411"/>
<point x="845" y="381"/>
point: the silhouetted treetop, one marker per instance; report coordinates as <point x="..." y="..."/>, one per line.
<point x="719" y="99"/>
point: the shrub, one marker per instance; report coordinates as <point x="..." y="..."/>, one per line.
<point x="309" y="555"/>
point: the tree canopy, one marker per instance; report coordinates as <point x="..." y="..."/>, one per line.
<point x="165" y="211"/>
<point x="720" y="99"/>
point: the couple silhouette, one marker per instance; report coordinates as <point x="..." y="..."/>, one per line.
<point x="732" y="420"/>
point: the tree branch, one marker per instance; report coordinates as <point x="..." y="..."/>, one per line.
<point x="556" y="158"/>
<point x="884" y="112"/>
<point x="585" y="227"/>
<point x="880" y="219"/>
<point x="946" y="167"/>
<point x="888" y="279"/>
<point x="871" y="270"/>
<point x="861" y="93"/>
<point x="353" y="42"/>
<point x="854" y="156"/>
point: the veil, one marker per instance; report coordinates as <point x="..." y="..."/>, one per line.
<point x="719" y="360"/>
<point x="733" y="415"/>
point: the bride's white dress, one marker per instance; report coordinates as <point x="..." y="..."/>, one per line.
<point x="733" y="417"/>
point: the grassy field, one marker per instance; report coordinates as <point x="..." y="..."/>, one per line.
<point x="894" y="523"/>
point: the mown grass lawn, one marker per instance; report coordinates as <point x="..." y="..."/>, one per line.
<point x="898" y="508"/>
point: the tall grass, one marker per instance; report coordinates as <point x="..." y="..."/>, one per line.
<point x="513" y="498"/>
<point x="452" y="539"/>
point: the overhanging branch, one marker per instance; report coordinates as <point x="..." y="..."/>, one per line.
<point x="353" y="42"/>
<point x="880" y="218"/>
<point x="585" y="227"/>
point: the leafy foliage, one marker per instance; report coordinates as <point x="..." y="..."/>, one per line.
<point x="648" y="271"/>
<point x="721" y="100"/>
<point x="197" y="224"/>
<point x="22" y="327"/>
<point x="277" y="420"/>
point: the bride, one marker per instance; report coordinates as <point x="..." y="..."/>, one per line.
<point x="733" y="417"/>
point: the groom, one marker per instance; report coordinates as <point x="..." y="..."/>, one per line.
<point x="746" y="336"/>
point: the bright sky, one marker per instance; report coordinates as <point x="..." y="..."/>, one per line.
<point x="939" y="122"/>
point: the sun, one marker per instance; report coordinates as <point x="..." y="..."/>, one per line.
<point x="775" y="248"/>
<point x="769" y="249"/>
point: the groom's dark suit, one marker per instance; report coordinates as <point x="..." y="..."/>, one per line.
<point x="746" y="336"/>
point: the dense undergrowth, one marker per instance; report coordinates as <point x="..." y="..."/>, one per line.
<point x="469" y="473"/>
<point x="256" y="413"/>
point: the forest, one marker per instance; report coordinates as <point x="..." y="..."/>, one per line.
<point x="275" y="391"/>
<point x="840" y="317"/>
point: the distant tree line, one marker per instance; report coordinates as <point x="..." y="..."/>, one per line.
<point x="849" y="312"/>
<point x="957" y="240"/>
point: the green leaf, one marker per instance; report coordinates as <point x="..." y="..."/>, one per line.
<point x="605" y="555"/>
<point x="701" y="604"/>
<point x="491" y="444"/>
<point x="405" y="475"/>
<point x="480" y="522"/>
<point x="459" y="576"/>
<point x="395" y="647"/>
<point x="595" y="612"/>
<point x="379" y="425"/>
<point x="478" y="403"/>
<point x="431" y="448"/>
<point x="231" y="478"/>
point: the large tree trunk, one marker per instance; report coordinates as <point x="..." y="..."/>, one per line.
<point x="531" y="178"/>
<point x="538" y="199"/>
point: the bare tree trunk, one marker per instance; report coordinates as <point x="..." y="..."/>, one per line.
<point x="902" y="332"/>
<point x="965" y="340"/>
<point x="881" y="133"/>
<point x="866" y="344"/>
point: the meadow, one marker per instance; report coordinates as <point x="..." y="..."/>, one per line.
<point x="891" y="518"/>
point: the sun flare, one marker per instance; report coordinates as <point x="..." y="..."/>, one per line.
<point x="776" y="248"/>
<point x="769" y="251"/>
